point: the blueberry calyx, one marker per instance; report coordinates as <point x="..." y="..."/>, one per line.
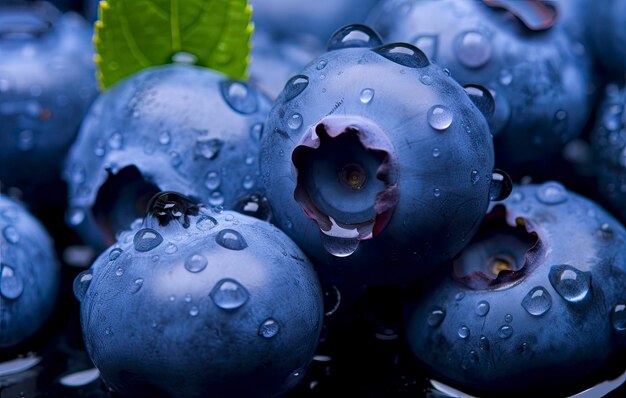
<point x="170" y="206"/>
<point x="536" y="15"/>
<point x="346" y="177"/>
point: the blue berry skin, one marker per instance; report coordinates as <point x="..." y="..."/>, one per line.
<point x="609" y="146"/>
<point x="29" y="274"/>
<point x="538" y="73"/>
<point x="535" y="303"/>
<point x="609" y="35"/>
<point x="47" y="82"/>
<point x="196" y="303"/>
<point x="407" y="176"/>
<point x="173" y="127"/>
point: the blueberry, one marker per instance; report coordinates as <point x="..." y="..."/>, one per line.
<point x="520" y="51"/>
<point x="609" y="35"/>
<point x="29" y="274"/>
<point x="376" y="162"/>
<point x="197" y="303"/>
<point x="173" y="127"/>
<point x="47" y="82"/>
<point x="535" y="303"/>
<point x="609" y="145"/>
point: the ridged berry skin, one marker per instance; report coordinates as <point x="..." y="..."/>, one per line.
<point x="47" y="82"/>
<point x="609" y="147"/>
<point x="608" y="33"/>
<point x="29" y="274"/>
<point x="173" y="127"/>
<point x="538" y="74"/>
<point x="535" y="303"/>
<point x="196" y="303"/>
<point x="385" y="147"/>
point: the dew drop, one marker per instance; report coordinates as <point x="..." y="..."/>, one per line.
<point x="212" y="180"/>
<point x="437" y="192"/>
<point x="606" y="232"/>
<point x="508" y="318"/>
<point x="436" y="152"/>
<point x="459" y="296"/>
<point x="194" y="311"/>
<point x="473" y="49"/>
<point x="11" y="285"/>
<point x="231" y="239"/>
<point x="205" y="223"/>
<point x="295" y="86"/>
<point x="175" y="159"/>
<point x="99" y="149"/>
<point x="505" y="331"/>
<point x="136" y="286"/>
<point x="208" y="149"/>
<point x="463" y="332"/>
<point x="435" y="317"/>
<point x="10" y="234"/>
<point x="483" y="343"/>
<point x="115" y="254"/>
<point x="475" y="177"/>
<point x="366" y="96"/>
<point x="482" y="308"/>
<point x="195" y="263"/>
<point x="228" y="294"/>
<point x="321" y="64"/>
<point x="81" y="284"/>
<point x="183" y="57"/>
<point x="147" y="239"/>
<point x="404" y="54"/>
<point x="256" y="131"/>
<point x="354" y="36"/>
<point x="171" y="248"/>
<point x="618" y="317"/>
<point x="338" y="246"/>
<point x="295" y="121"/>
<point x="570" y="283"/>
<point x="239" y="96"/>
<point x="551" y="193"/>
<point x="506" y="77"/>
<point x="501" y="185"/>
<point x="248" y="182"/>
<point x="116" y="141"/>
<point x="426" y="80"/>
<point x="537" y="302"/>
<point x="216" y="198"/>
<point x="119" y="271"/>
<point x="164" y="138"/>
<point x="269" y="328"/>
<point x="439" y="117"/>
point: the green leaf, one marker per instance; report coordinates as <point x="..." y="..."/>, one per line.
<point x="135" y="34"/>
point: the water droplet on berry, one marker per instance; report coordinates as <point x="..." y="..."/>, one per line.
<point x="99" y="149"/>
<point x="216" y="198"/>
<point x="505" y="331"/>
<point x="428" y="44"/>
<point x="436" y="152"/>
<point x="164" y="138"/>
<point x="147" y="239"/>
<point x="404" y="54"/>
<point x="212" y="180"/>
<point x="116" y="140"/>
<point x="475" y="177"/>
<point x="354" y="36"/>
<point x="81" y="284"/>
<point x="295" y="121"/>
<point x="194" y="311"/>
<point x="171" y="248"/>
<point x="136" y="286"/>
<point x="119" y="271"/>
<point x="473" y="49"/>
<point x="208" y="149"/>
<point x="295" y="86"/>
<point x="239" y="96"/>
<point x="618" y="317"/>
<point x="436" y="316"/>
<point x="269" y="328"/>
<point x="501" y="185"/>
<point x="439" y="117"/>
<point x="508" y="318"/>
<point x="10" y="234"/>
<point x="338" y="246"/>
<point x="551" y="193"/>
<point x="206" y="223"/>
<point x="463" y="332"/>
<point x="506" y="77"/>
<point x="228" y="294"/>
<point x="570" y="283"/>
<point x="183" y="57"/>
<point x="459" y="296"/>
<point x="11" y="285"/>
<point x="483" y="343"/>
<point x="482" y="308"/>
<point x="366" y="96"/>
<point x="115" y="253"/>
<point x="195" y="263"/>
<point x="231" y="239"/>
<point x="537" y="302"/>
<point x="437" y="192"/>
<point x="321" y="64"/>
<point x="256" y="131"/>
<point x="248" y="182"/>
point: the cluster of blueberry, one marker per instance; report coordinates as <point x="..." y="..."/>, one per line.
<point x="340" y="223"/>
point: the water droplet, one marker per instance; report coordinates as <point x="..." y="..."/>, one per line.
<point x="505" y="331"/>
<point x="208" y="149"/>
<point x="295" y="86"/>
<point x="231" y="239"/>
<point x="248" y="182"/>
<point x="463" y="332"/>
<point x="99" y="149"/>
<point x="570" y="283"/>
<point x="206" y="223"/>
<point x="473" y="49"/>
<point x="239" y="96"/>
<point x="295" y="121"/>
<point x="11" y="285"/>
<point x="506" y="77"/>
<point x="164" y="138"/>
<point x="428" y="44"/>
<point x="483" y="343"/>
<point x="228" y="294"/>
<point x="606" y="232"/>
<point x="439" y="117"/>
<point x="501" y="185"/>
<point x="437" y="192"/>
<point x="321" y="64"/>
<point x="146" y="239"/>
<point x="426" y="80"/>
<point x="187" y="298"/>
<point x="136" y="286"/>
<point x="81" y="284"/>
<point x="475" y="177"/>
<point x="338" y="246"/>
<point x="436" y="152"/>
<point x="75" y="216"/>
<point x="551" y="193"/>
<point x="482" y="308"/>
<point x="354" y="36"/>
<point x="618" y="317"/>
<point x="116" y="140"/>
<point x="183" y="57"/>
<point x="195" y="263"/>
<point x="171" y="248"/>
<point x="108" y="331"/>
<point x="404" y="54"/>
<point x="435" y="317"/>
<point x="216" y="198"/>
<point x="269" y="328"/>
<point x="537" y="302"/>
<point x="115" y="253"/>
<point x="10" y="234"/>
<point x="459" y="296"/>
<point x="212" y="180"/>
<point x="119" y="271"/>
<point x="79" y="379"/>
<point x="194" y="311"/>
<point x="508" y="318"/>
<point x="366" y="96"/>
<point x="25" y="140"/>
